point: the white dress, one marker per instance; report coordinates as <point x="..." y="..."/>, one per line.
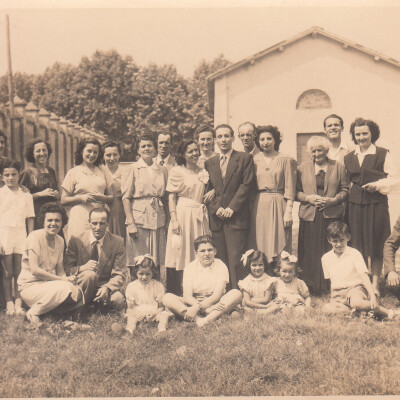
<point x="191" y="214"/>
<point x="144" y="299"/>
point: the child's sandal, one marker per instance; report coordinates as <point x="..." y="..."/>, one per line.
<point x="32" y="318"/>
<point x="10" y="310"/>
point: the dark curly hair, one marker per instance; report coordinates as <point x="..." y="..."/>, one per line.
<point x="148" y="137"/>
<point x="273" y="130"/>
<point x="81" y="146"/>
<point x="373" y="128"/>
<point x="53" y="207"/>
<point x="10" y="164"/>
<point x="146" y="263"/>
<point x="30" y="147"/>
<point x="180" y="153"/>
<point x="255" y="256"/>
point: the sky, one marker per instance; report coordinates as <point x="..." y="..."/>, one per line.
<point x="182" y="33"/>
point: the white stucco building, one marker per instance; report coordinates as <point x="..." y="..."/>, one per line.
<point x="298" y="82"/>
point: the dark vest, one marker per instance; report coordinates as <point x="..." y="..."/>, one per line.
<point x="371" y="170"/>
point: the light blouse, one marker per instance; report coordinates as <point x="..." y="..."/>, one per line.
<point x="144" y="185"/>
<point x="277" y="175"/>
<point x="48" y="257"/>
<point x="15" y="208"/>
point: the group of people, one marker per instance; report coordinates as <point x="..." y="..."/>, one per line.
<point x="218" y="224"/>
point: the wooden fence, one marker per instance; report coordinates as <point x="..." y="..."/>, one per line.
<point x="30" y="122"/>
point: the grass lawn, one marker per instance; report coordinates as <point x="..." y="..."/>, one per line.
<point x="270" y="355"/>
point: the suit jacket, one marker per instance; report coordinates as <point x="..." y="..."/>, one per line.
<point x="392" y="244"/>
<point x="112" y="262"/>
<point x="233" y="192"/>
<point x="336" y="186"/>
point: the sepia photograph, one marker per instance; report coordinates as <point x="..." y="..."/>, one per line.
<point x="199" y="198"/>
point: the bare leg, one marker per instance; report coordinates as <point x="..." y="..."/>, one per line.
<point x="376" y="268"/>
<point x="131" y="324"/>
<point x="16" y="271"/>
<point x="175" y="304"/>
<point x="227" y="303"/>
<point x="365" y="305"/>
<point x="7" y="283"/>
<point x="163" y="322"/>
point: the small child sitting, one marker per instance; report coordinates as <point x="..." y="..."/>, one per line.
<point x="351" y="288"/>
<point x="257" y="287"/>
<point x="143" y="297"/>
<point x="292" y="294"/>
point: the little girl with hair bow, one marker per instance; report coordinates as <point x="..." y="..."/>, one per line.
<point x="143" y="297"/>
<point x="292" y="294"/>
<point x="258" y="287"/>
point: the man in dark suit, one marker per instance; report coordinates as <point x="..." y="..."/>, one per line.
<point x="97" y="259"/>
<point x="232" y="177"/>
<point x="390" y="248"/>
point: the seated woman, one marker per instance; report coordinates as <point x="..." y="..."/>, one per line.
<point x="204" y="282"/>
<point x="43" y="284"/>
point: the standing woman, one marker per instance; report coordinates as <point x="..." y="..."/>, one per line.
<point x="39" y="178"/>
<point x="205" y="138"/>
<point x="112" y="154"/>
<point x="85" y="186"/>
<point x="322" y="189"/>
<point x="143" y="185"/>
<point x="42" y="283"/>
<point x="189" y="217"/>
<point x="271" y="214"/>
<point x="371" y="171"/>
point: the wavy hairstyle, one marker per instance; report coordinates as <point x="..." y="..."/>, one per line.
<point x="373" y="128"/>
<point x="30" y="147"/>
<point x="81" y="146"/>
<point x="273" y="130"/>
<point x="180" y="153"/>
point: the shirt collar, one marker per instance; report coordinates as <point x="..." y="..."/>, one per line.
<point x="347" y="251"/>
<point x="92" y="239"/>
<point x="371" y="150"/>
<point x="159" y="159"/>
<point x="318" y="168"/>
<point x="227" y="155"/>
<point x="142" y="164"/>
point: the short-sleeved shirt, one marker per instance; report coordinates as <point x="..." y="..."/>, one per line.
<point x="82" y="180"/>
<point x="48" y="257"/>
<point x="185" y="183"/>
<point x="294" y="292"/>
<point x="346" y="270"/>
<point x="257" y="287"/>
<point x="204" y="280"/>
<point x="138" y="294"/>
<point x="15" y="208"/>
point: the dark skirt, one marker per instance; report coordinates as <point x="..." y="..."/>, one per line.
<point x="117" y="218"/>
<point x="369" y="227"/>
<point x="312" y="245"/>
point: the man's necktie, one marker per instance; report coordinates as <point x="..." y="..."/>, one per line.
<point x="223" y="164"/>
<point x="162" y="162"/>
<point x="95" y="251"/>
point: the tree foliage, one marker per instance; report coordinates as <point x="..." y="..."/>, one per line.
<point x="110" y="93"/>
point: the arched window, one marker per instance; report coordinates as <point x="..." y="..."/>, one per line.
<point x="313" y="98"/>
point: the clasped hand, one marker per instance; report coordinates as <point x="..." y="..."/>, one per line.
<point x="91" y="265"/>
<point x="224" y="213"/>
<point x="320" y="202"/>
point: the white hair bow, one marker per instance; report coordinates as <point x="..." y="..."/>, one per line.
<point x="285" y="255"/>
<point x="245" y="256"/>
<point x="139" y="259"/>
